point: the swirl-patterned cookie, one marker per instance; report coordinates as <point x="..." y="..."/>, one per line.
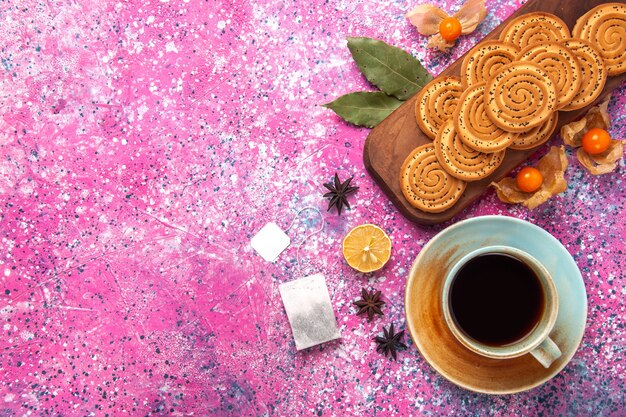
<point x="474" y="127"/>
<point x="537" y="135"/>
<point x="436" y="103"/>
<point x="604" y="27"/>
<point x="562" y="66"/>
<point x="521" y="96"/>
<point x="425" y="184"/>
<point x="484" y="61"/>
<point x="459" y="160"/>
<point x="534" y="28"/>
<point x="593" y="73"/>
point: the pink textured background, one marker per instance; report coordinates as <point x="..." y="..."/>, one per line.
<point x="142" y="144"/>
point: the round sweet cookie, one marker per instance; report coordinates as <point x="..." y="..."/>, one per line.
<point x="604" y="27"/>
<point x="475" y="129"/>
<point x="461" y="161"/>
<point x="425" y="184"/>
<point x="537" y="135"/>
<point x="534" y="28"/>
<point x="484" y="61"/>
<point x="562" y="66"/>
<point x="521" y="96"/>
<point x="436" y="102"/>
<point x="593" y="71"/>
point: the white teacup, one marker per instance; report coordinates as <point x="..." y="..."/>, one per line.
<point x="536" y="341"/>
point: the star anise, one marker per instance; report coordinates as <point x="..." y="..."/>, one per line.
<point x="390" y="343"/>
<point x="369" y="303"/>
<point x="338" y="193"/>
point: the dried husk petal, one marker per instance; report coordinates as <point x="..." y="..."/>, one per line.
<point x="426" y="18"/>
<point x="436" y="41"/>
<point x="597" y="116"/>
<point x="470" y="15"/>
<point x="552" y="167"/>
<point x="604" y="162"/>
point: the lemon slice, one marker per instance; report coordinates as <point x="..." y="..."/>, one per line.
<point x="366" y="248"/>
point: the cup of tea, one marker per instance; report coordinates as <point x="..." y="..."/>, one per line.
<point x="502" y="303"/>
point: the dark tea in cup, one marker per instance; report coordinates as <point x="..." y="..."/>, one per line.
<point x="496" y="299"/>
<point x="501" y="302"/>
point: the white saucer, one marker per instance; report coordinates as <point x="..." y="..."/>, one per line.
<point x="442" y="350"/>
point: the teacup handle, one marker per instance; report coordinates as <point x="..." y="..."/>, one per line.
<point x="546" y="353"/>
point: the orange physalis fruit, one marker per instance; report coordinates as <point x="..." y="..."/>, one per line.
<point x="444" y="29"/>
<point x="450" y="28"/>
<point x="552" y="168"/>
<point x="572" y="133"/>
<point x="596" y="141"/>
<point x="529" y="179"/>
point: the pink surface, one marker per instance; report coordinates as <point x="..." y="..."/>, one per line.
<point x="144" y="143"/>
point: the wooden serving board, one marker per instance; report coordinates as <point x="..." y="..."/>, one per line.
<point x="389" y="143"/>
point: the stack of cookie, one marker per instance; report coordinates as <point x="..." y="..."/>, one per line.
<point x="508" y="97"/>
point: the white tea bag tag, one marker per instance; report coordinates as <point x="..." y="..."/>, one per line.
<point x="270" y="241"/>
<point x="309" y="311"/>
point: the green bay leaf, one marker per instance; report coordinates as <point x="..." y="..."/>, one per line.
<point x="364" y="108"/>
<point x="389" y="68"/>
